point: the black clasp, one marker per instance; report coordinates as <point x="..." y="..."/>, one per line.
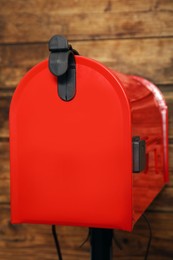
<point x="139" y="154"/>
<point x="62" y="64"/>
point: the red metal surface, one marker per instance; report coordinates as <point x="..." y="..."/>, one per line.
<point x="149" y="121"/>
<point x="71" y="162"/>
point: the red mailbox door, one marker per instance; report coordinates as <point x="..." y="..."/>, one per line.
<point x="71" y="162"/>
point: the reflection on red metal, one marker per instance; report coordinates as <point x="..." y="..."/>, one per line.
<point x="71" y="162"/>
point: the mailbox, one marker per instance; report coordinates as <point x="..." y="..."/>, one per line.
<point x="88" y="145"/>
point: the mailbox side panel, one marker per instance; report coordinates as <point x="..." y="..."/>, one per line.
<point x="71" y="161"/>
<point x="150" y="123"/>
<point x="149" y="118"/>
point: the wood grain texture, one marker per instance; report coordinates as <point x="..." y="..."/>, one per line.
<point x="134" y="37"/>
<point x="5" y="99"/>
<point x="162" y="203"/>
<point x="28" y="241"/>
<point x="150" y="58"/>
<point x="4" y="108"/>
<point x="36" y="21"/>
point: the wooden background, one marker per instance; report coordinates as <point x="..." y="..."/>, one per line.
<point x="131" y="36"/>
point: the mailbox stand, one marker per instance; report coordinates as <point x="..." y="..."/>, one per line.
<point x="101" y="243"/>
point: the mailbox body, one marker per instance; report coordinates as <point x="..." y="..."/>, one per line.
<point x="71" y="162"/>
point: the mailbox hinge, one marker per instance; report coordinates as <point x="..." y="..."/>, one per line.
<point x="62" y="64"/>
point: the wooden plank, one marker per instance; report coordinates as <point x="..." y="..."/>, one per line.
<point x="4" y="114"/>
<point x="171" y="156"/>
<point x="36" y="21"/>
<point x="77" y="7"/>
<point x="5" y="99"/>
<point x="163" y="202"/>
<point x="4" y="173"/>
<point x="28" y="241"/>
<point x="82" y="6"/>
<point x="150" y="58"/>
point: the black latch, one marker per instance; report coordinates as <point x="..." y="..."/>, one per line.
<point x="62" y="64"/>
<point x="139" y="154"/>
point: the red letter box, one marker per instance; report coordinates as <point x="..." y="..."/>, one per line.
<point x="87" y="147"/>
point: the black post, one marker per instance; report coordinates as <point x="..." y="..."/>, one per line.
<point x="101" y="243"/>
